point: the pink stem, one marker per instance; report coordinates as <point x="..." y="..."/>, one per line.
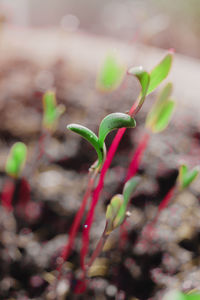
<point x="7" y="194"/>
<point x="76" y="224"/>
<point x="136" y="159"/>
<point x="97" y="191"/>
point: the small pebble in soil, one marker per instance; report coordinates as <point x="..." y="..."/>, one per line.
<point x="111" y="290"/>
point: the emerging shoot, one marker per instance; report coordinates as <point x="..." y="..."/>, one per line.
<point x="16" y="159"/>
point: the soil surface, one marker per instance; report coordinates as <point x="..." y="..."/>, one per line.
<point x="133" y="265"/>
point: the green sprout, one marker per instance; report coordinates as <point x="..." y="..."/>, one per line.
<point x="111" y="74"/>
<point x="16" y="159"/>
<point x="149" y="81"/>
<point x="186" y="177"/>
<point x="117" y="209"/>
<point x="109" y="123"/>
<point x="160" y="115"/>
<point x="52" y="111"/>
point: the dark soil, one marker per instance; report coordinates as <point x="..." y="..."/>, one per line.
<point x="31" y="239"/>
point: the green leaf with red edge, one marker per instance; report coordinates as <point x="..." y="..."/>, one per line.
<point x="16" y="159"/>
<point x="111" y="74"/>
<point x="186" y="177"/>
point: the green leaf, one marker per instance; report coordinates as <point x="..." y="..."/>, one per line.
<point x="114" y="121"/>
<point x="177" y="295"/>
<point x="49" y="106"/>
<point x="51" y="111"/>
<point x="16" y="159"/>
<point x="157" y="107"/>
<point x="91" y="137"/>
<point x="111" y="74"/>
<point x="128" y="190"/>
<point x="186" y="177"/>
<point x="112" y="211"/>
<point x="130" y="187"/>
<point x="160" y="72"/>
<point x="144" y="79"/>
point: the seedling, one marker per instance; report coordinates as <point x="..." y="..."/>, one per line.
<point x="116" y="214"/>
<point x="157" y="120"/>
<point x="109" y="123"/>
<point x="51" y="111"/>
<point x="111" y="74"/>
<point x="14" y="166"/>
<point x="186" y="177"/>
<point x="16" y="159"/>
<point x="148" y="82"/>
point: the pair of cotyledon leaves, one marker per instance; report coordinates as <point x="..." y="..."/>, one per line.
<point x="117" y="209"/>
<point x="148" y="82"/>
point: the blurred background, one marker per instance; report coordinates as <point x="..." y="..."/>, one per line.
<point x="158" y="23"/>
<point x="60" y="45"/>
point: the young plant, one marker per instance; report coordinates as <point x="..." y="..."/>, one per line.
<point x="184" y="179"/>
<point x="110" y="75"/>
<point x="149" y="81"/>
<point x="51" y="111"/>
<point x="14" y="166"/>
<point x="109" y="123"/>
<point x="116" y="213"/>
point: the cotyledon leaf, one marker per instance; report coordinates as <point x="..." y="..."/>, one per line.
<point x="16" y="159"/>
<point x="111" y="73"/>
<point x="114" y="121"/>
<point x="49" y="106"/>
<point x="186" y="177"/>
<point x="160" y="72"/>
<point x="157" y="107"/>
<point x="128" y="190"/>
<point x="90" y="136"/>
<point x="164" y="116"/>
<point x="144" y="79"/>
<point x="112" y="211"/>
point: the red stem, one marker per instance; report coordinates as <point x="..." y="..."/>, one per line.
<point x="137" y="157"/>
<point x="76" y="224"/>
<point x="97" y="191"/>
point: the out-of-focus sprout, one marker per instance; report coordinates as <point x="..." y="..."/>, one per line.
<point x="186" y="177"/>
<point x="16" y="159"/>
<point x="111" y="74"/>
<point x="160" y="115"/>
<point x="51" y="111"/>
